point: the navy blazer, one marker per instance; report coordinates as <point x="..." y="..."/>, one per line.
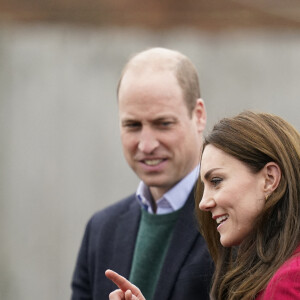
<point x="109" y="242"/>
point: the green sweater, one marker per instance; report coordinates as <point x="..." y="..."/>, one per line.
<point x="151" y="246"/>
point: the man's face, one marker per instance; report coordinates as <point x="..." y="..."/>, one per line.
<point x="161" y="141"/>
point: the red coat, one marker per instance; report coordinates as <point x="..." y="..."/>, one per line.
<point x="285" y="283"/>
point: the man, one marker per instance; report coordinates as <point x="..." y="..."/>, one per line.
<point x="151" y="237"/>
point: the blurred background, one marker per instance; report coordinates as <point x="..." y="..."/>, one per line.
<point x="60" y="154"/>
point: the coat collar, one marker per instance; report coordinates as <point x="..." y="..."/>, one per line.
<point x="126" y="233"/>
<point x="185" y="234"/>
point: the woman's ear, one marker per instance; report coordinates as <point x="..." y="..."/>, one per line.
<point x="272" y="174"/>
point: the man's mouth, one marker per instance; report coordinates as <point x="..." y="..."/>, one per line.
<point x="152" y="162"/>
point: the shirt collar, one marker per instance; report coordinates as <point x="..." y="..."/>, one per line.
<point x="172" y="200"/>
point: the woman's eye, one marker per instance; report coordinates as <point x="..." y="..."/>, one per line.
<point x="216" y="180"/>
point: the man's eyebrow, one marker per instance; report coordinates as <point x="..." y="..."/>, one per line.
<point x="163" y="118"/>
<point x="129" y="120"/>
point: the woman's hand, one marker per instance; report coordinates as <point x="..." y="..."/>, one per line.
<point x="126" y="291"/>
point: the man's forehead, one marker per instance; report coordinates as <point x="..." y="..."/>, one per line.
<point x="149" y="81"/>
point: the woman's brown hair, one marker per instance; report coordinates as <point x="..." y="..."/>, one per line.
<point x="256" y="139"/>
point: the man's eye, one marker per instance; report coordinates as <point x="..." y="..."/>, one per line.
<point x="131" y="125"/>
<point x="216" y="181"/>
<point x="165" y="123"/>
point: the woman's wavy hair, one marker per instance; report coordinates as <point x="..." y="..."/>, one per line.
<point x="256" y="139"/>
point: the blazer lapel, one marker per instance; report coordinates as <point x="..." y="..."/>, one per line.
<point x="184" y="236"/>
<point x="126" y="232"/>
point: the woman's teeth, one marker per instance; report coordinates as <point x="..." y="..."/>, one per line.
<point x="222" y="219"/>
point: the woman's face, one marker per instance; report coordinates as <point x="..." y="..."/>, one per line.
<point x="232" y="193"/>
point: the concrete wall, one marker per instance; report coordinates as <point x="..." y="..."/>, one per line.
<point x="60" y="154"/>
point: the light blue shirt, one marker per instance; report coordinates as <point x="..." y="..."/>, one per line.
<point x="172" y="200"/>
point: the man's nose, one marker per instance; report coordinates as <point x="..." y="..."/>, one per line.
<point x="207" y="202"/>
<point x="148" y="141"/>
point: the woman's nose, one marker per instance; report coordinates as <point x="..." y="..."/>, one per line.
<point x="207" y="202"/>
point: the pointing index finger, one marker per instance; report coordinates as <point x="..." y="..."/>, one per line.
<point x="122" y="282"/>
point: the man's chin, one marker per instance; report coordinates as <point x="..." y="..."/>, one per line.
<point x="157" y="183"/>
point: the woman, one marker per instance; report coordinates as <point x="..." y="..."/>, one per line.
<point x="250" y="209"/>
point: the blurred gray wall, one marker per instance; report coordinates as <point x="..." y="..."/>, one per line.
<point x="60" y="155"/>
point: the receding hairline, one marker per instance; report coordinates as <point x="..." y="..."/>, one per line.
<point x="160" y="58"/>
<point x="153" y="59"/>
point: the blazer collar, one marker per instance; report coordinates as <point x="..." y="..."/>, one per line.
<point x="185" y="234"/>
<point x="126" y="233"/>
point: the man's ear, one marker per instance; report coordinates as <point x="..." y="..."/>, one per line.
<point x="200" y="114"/>
<point x="272" y="173"/>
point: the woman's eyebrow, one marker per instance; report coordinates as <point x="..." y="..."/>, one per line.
<point x="207" y="174"/>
